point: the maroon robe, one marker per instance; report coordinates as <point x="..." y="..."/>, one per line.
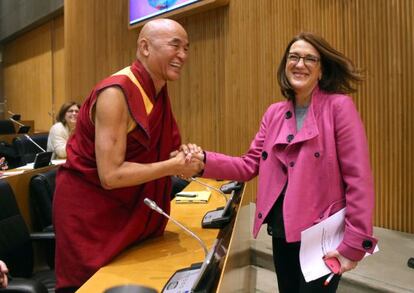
<point x="93" y="224"/>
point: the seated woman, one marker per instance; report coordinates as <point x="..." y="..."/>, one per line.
<point x="59" y="133"/>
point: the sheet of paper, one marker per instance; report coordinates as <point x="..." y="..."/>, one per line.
<point x="193" y="197"/>
<point x="317" y="241"/>
<point x="11" y="173"/>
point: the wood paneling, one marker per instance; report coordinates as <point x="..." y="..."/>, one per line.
<point x="230" y="78"/>
<point x="33" y="73"/>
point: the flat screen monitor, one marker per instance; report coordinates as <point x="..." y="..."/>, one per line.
<point x="141" y="11"/>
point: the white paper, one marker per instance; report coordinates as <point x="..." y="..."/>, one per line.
<point x="318" y="240"/>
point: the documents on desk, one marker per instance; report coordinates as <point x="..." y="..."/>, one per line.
<point x="193" y="196"/>
<point x="318" y="240"/>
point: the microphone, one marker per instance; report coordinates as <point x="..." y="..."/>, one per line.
<point x="221" y="216"/>
<point x="29" y="138"/>
<point x="210" y="187"/>
<point x="155" y="207"/>
<point x="15" y="121"/>
<point x="14" y="117"/>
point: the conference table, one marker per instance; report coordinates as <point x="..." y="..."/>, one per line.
<point x="152" y="262"/>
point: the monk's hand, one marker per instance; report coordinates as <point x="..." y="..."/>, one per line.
<point x="346" y="263"/>
<point x="186" y="166"/>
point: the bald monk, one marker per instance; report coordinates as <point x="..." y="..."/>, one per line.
<point x="123" y="150"/>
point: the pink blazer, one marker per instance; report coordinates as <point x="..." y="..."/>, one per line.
<point x="325" y="164"/>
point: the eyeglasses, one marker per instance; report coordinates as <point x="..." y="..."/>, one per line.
<point x="308" y="60"/>
<point x="72" y="111"/>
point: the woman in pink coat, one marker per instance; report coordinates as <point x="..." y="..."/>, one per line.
<point x="311" y="156"/>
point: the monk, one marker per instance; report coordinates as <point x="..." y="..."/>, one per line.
<point x="124" y="149"/>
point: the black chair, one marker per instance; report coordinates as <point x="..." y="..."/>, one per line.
<point x="7" y="127"/>
<point x="42" y="187"/>
<point x="26" y="149"/>
<point x="178" y="184"/>
<point x="16" y="248"/>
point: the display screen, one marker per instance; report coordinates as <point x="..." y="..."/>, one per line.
<point x="140" y="10"/>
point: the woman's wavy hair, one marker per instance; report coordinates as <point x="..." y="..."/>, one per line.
<point x="338" y="72"/>
<point x="60" y="117"/>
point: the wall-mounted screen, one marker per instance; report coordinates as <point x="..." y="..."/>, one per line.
<point x="140" y="11"/>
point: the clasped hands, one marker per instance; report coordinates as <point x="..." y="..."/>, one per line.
<point x="189" y="160"/>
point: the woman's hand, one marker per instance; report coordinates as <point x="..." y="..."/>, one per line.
<point x="346" y="264"/>
<point x="192" y="150"/>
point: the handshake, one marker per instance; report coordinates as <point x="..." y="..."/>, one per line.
<point x="187" y="161"/>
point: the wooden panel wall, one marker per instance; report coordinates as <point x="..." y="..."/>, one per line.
<point x="230" y="78"/>
<point x="34" y="73"/>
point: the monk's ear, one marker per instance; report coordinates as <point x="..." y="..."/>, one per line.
<point x="143" y="47"/>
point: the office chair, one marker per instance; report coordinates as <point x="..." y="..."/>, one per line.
<point x="7" y="127"/>
<point x="177" y="184"/>
<point x="42" y="187"/>
<point x="16" y="248"/>
<point x="26" y="149"/>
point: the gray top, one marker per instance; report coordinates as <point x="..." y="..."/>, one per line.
<point x="300" y="113"/>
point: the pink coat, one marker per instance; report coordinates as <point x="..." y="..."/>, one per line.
<point x="325" y="164"/>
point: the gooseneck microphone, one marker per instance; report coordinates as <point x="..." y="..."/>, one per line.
<point x="29" y="138"/>
<point x="209" y="186"/>
<point x="15" y="121"/>
<point x="156" y="208"/>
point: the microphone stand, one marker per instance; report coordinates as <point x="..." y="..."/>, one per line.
<point x="156" y="208"/>
<point x="220" y="217"/>
<point x="210" y="187"/>
<point x="197" y="277"/>
<point x="31" y="140"/>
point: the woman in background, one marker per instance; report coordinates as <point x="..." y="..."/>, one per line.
<point x="311" y="156"/>
<point x="59" y="133"/>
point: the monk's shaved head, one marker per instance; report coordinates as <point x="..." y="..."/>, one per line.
<point x="153" y="28"/>
<point x="162" y="48"/>
<point x="156" y="29"/>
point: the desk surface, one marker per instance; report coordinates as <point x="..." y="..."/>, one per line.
<point x="152" y="262"/>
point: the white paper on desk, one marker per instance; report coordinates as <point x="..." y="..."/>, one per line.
<point x="11" y="173"/>
<point x="318" y="240"/>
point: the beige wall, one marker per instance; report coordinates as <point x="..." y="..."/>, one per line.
<point x="230" y="78"/>
<point x="34" y="83"/>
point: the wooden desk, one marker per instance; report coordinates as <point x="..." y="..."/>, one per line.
<point x="152" y="262"/>
<point x="20" y="186"/>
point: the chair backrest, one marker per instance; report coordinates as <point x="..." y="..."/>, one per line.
<point x="7" y="127"/>
<point x="15" y="243"/>
<point x="42" y="187"/>
<point x="26" y="149"/>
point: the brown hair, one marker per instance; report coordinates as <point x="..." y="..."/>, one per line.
<point x="338" y="72"/>
<point x="60" y="117"/>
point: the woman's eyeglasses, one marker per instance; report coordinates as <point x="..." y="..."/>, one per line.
<point x="72" y="111"/>
<point x="308" y="60"/>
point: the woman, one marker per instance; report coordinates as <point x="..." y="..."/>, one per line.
<point x="311" y="155"/>
<point x="62" y="129"/>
